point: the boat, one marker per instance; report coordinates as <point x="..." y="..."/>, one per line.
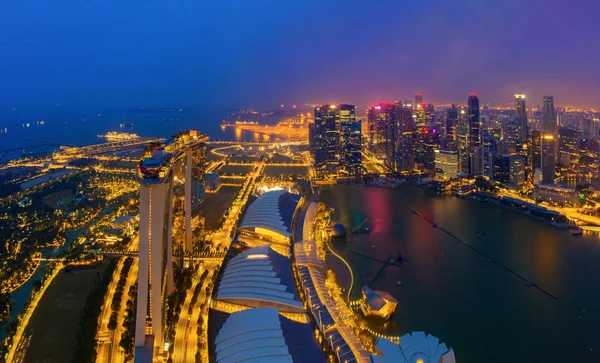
<point x="113" y="135"/>
<point x="577" y="231"/>
<point x="399" y="282"/>
<point x="373" y="246"/>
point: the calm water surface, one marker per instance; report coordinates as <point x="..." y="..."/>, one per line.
<point x="485" y="313"/>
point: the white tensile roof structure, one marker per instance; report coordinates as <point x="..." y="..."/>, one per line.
<point x="259" y="277"/>
<point x="252" y="335"/>
<point x="272" y="211"/>
<point x="415" y="347"/>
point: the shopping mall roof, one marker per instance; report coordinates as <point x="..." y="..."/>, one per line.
<point x="263" y="335"/>
<point x="273" y="211"/>
<point x="260" y="277"/>
<point x="413" y="347"/>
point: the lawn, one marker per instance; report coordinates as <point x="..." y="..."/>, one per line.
<point x="55" y="322"/>
<point x="215" y="205"/>
<point x="53" y="199"/>
<point x="287" y="171"/>
<point x="235" y="170"/>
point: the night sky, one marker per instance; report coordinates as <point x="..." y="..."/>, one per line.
<point x="127" y="53"/>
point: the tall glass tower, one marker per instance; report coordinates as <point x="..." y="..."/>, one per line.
<point x="474" y="135"/>
<point x="521" y="117"/>
<point x="549" y="115"/>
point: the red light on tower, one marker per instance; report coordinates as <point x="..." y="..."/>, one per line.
<point x="473" y="94"/>
<point x="378" y="107"/>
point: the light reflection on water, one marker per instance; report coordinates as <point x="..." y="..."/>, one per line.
<point x="468" y="302"/>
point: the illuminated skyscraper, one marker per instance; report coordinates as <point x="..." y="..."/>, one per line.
<point x="335" y="141"/>
<point x="446" y="163"/>
<point x="521" y="110"/>
<point x="548" y="157"/>
<point x="381" y="119"/>
<point x="474" y="135"/>
<point x="463" y="141"/>
<point x="325" y="140"/>
<point x="450" y="127"/>
<point x="587" y="129"/>
<point x="171" y="184"/>
<point x="155" y="274"/>
<point x="426" y="140"/>
<point x="517" y="171"/>
<point x="404" y="155"/>
<point x="350" y="140"/>
<point x="418" y="100"/>
<point x="501" y="172"/>
<point x="535" y="150"/>
<point x="568" y="147"/>
<point x="549" y="115"/>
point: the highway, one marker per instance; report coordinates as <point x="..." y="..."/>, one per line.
<point x="103" y="334"/>
<point x="118" y="355"/>
<point x="108" y="341"/>
<point x="180" y="351"/>
<point x="193" y="331"/>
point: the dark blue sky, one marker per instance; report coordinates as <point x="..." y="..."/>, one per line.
<point x="126" y="53"/>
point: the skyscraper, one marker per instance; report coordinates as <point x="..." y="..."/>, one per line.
<point x="404" y="155"/>
<point x="549" y="115"/>
<point x="426" y="139"/>
<point x="462" y="141"/>
<point x="521" y="110"/>
<point x="325" y="140"/>
<point x="350" y="140"/>
<point x="446" y="163"/>
<point x="171" y="186"/>
<point x="548" y="157"/>
<point x="568" y="147"/>
<point x="418" y="100"/>
<point x="451" y="127"/>
<point x="381" y="119"/>
<point x="535" y="150"/>
<point x="155" y="274"/>
<point x="517" y="171"/>
<point x="335" y="141"/>
<point x="474" y="135"/>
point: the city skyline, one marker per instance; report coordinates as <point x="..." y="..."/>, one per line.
<point x="335" y="182"/>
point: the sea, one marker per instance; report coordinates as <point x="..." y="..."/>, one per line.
<point x="473" y="296"/>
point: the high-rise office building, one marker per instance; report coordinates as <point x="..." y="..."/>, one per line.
<point x="404" y="154"/>
<point x="325" y="140"/>
<point x="511" y="138"/>
<point x="549" y="115"/>
<point x="548" y="157"/>
<point x="335" y="141"/>
<point x="587" y="129"/>
<point x="462" y="141"/>
<point x="501" y="168"/>
<point x="418" y="100"/>
<point x="451" y="127"/>
<point x="427" y="139"/>
<point x="446" y="163"/>
<point x="535" y="152"/>
<point x="517" y="171"/>
<point x="474" y="135"/>
<point x="350" y="140"/>
<point x="521" y="110"/>
<point x="568" y="147"/>
<point x="381" y="119"/>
